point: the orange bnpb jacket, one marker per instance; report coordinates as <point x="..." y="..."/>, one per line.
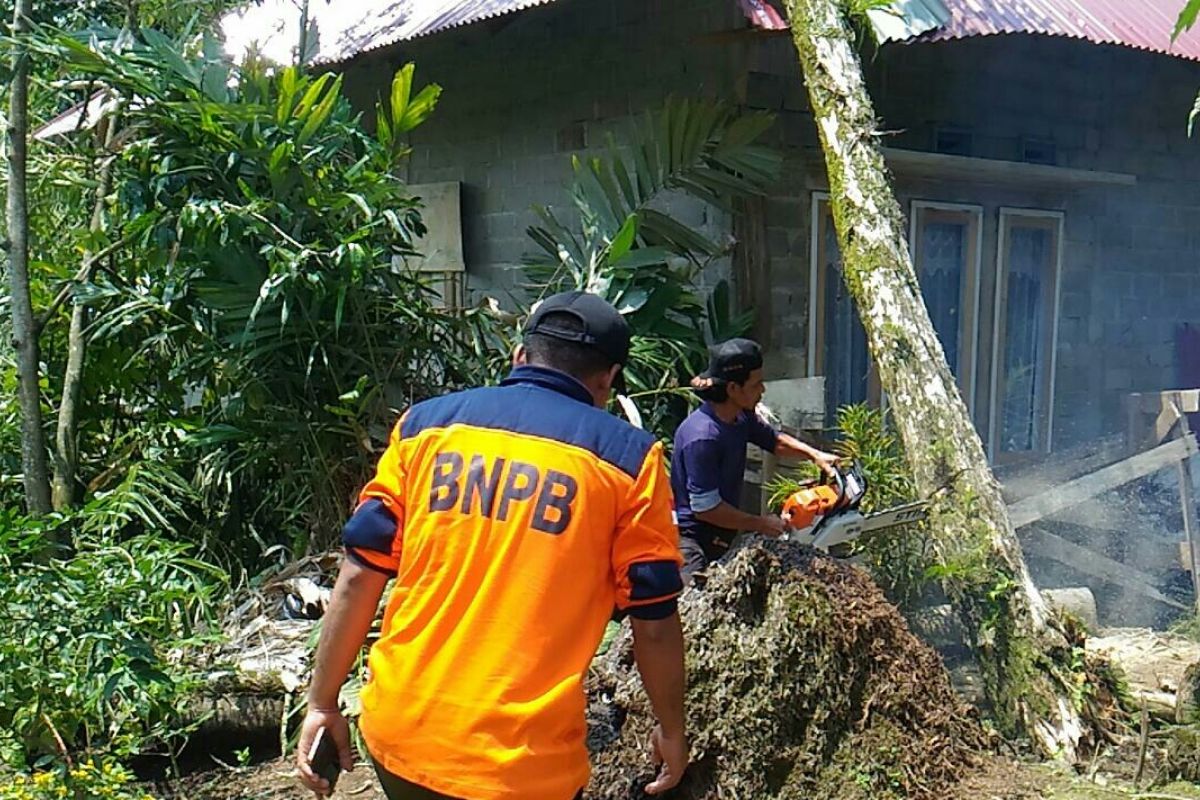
<point x="514" y="519"/>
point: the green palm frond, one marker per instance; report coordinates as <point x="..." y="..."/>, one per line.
<point x="697" y="148"/>
<point x="624" y="244"/>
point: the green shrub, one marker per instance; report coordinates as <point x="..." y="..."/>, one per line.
<point x="98" y="648"/>
<point x="90" y="780"/>
<point x="255" y="332"/>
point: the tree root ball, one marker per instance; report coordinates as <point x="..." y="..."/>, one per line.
<point x="803" y="682"/>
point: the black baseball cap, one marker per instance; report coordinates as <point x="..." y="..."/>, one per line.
<point x="730" y="361"/>
<point x="603" y="327"/>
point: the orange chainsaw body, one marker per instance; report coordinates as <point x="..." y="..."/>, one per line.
<point x="808" y="505"/>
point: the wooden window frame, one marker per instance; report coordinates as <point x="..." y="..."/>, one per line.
<point x="816" y="304"/>
<point x="1053" y="221"/>
<point x="971" y="293"/>
<point x="816" y="284"/>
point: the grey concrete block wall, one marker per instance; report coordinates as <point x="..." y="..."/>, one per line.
<point x="526" y="92"/>
<point x="1131" y="269"/>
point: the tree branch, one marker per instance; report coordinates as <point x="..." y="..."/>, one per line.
<point x="84" y="272"/>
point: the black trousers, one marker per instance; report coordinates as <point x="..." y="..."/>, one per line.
<point x="700" y="551"/>
<point x="396" y="788"/>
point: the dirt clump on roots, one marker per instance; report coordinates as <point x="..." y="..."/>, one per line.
<point x="804" y="682"/>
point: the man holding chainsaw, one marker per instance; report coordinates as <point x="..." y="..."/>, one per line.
<point x="709" y="461"/>
<point x="512" y="520"/>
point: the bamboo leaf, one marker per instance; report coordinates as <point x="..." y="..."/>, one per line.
<point x="310" y="96"/>
<point x="1187" y="18"/>
<point x="401" y="92"/>
<point x="624" y="239"/>
<point x="643" y="257"/>
<point x="320" y="114"/>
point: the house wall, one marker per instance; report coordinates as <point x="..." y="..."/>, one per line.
<point x="524" y="93"/>
<point x="1130" y="270"/>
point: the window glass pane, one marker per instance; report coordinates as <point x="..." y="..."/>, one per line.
<point x="1029" y="261"/>
<point x="847" y="364"/>
<point x="942" y="256"/>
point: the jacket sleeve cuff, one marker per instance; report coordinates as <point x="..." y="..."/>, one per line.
<point x="660" y="610"/>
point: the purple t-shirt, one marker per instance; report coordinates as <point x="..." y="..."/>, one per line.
<point x="709" y="464"/>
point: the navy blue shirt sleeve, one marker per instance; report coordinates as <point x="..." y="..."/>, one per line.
<point x="762" y="434"/>
<point x="702" y="464"/>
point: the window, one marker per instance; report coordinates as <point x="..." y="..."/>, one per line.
<point x="837" y="341"/>
<point x="945" y="241"/>
<point x="1028" y="262"/>
<point x="945" y="244"/>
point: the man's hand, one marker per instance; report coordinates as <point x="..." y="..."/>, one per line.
<point x="827" y="462"/>
<point x="336" y="728"/>
<point x="670" y="755"/>
<point x="771" y="525"/>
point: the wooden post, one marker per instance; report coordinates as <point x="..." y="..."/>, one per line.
<point x="1190" y="526"/>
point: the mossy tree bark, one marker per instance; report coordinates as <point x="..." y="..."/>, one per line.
<point x="1022" y="650"/>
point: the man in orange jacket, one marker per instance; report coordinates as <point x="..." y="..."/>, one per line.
<point x="513" y="519"/>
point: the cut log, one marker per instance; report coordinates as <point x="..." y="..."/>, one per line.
<point x="1160" y="705"/>
<point x="238" y="717"/>
<point x="1152" y="660"/>
<point x="1187" y="696"/>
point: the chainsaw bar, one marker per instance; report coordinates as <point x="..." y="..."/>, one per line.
<point x="843" y="527"/>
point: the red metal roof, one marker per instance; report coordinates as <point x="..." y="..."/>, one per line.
<point x="346" y="30"/>
<point x="1141" y="24"/>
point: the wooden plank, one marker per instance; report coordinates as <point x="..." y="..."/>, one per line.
<point x="1089" y="562"/>
<point x="1191" y="529"/>
<point x="1188" y="400"/>
<point x="1025" y="480"/>
<point x="1060" y="498"/>
<point x="1152" y="415"/>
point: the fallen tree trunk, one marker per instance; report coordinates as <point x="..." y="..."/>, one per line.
<point x="1023" y="654"/>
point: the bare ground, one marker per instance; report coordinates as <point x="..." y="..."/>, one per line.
<point x="996" y="779"/>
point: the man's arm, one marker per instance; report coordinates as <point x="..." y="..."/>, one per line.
<point x="646" y="559"/>
<point x="788" y="446"/>
<point x="724" y="515"/>
<point x="344" y="628"/>
<point x="658" y="650"/>
<point x="702" y="462"/>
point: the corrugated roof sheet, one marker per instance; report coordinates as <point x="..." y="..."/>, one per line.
<point x="1142" y="24"/>
<point x="348" y="29"/>
<point x="345" y="30"/>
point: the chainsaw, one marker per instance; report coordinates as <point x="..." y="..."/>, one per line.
<point x="826" y="515"/>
